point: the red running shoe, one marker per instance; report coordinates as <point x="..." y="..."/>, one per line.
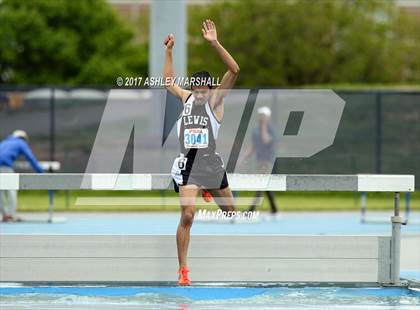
<point x="206" y="196"/>
<point x="183" y="276"/>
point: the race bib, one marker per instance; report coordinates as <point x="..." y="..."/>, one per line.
<point x="196" y="138"/>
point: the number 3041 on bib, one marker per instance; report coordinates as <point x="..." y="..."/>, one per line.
<point x="196" y="138"/>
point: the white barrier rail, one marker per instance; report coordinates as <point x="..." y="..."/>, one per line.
<point x="239" y="182"/>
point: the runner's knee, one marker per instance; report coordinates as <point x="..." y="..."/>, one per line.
<point x="187" y="216"/>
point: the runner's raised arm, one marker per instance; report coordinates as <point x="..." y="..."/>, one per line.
<point x="210" y="34"/>
<point x="168" y="71"/>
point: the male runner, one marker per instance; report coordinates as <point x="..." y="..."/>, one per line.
<point x="199" y="166"/>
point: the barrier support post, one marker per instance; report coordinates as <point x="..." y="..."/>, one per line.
<point x="396" y="221"/>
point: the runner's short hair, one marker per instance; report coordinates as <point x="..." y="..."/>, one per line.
<point x="201" y="78"/>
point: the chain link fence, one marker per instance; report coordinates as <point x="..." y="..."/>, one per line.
<point x="379" y="131"/>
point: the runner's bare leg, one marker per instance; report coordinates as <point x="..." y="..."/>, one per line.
<point x="187" y="194"/>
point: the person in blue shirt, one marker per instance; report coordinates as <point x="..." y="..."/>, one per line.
<point x="263" y="146"/>
<point x="11" y="149"/>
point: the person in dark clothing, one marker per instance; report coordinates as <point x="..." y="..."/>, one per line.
<point x="263" y="146"/>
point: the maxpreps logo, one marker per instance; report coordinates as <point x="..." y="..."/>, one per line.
<point x="320" y="114"/>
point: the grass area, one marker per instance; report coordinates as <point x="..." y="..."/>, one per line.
<point x="37" y="201"/>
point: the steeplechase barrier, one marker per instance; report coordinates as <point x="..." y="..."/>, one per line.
<point x="239" y="258"/>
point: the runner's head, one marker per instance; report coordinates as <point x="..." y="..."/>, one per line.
<point x="201" y="85"/>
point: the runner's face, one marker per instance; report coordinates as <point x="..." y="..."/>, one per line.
<point x="201" y="94"/>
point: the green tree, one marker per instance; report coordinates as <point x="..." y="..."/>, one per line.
<point x="303" y="42"/>
<point x="66" y="42"/>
